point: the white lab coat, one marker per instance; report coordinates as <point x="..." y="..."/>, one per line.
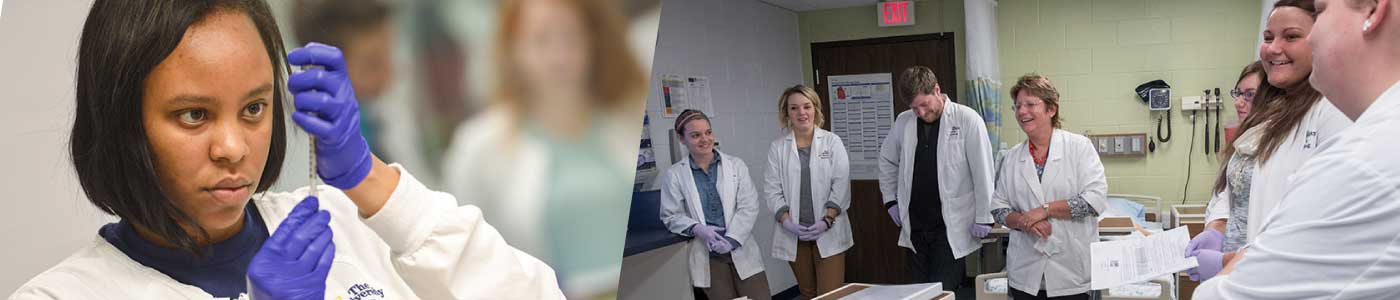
<point x="680" y="209"/>
<point x="1271" y="179"/>
<point x="1072" y="169"/>
<point x="1335" y="235"/>
<point x="830" y="168"/>
<point x="965" y="172"/>
<point x="420" y="245"/>
<point x="494" y="165"/>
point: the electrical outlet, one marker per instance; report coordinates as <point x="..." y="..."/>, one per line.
<point x="1191" y="103"/>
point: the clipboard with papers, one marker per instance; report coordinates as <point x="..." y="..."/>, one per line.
<point x="1115" y="263"/>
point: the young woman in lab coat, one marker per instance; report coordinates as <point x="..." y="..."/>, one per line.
<point x="179" y="132"/>
<point x="1050" y="191"/>
<point x="1293" y="120"/>
<point x="943" y="217"/>
<point x="1227" y="213"/>
<point x="557" y="147"/>
<point x="709" y="196"/>
<point x="808" y="185"/>
<point x="1334" y="234"/>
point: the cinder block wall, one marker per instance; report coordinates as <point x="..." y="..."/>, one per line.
<point x="1097" y="51"/>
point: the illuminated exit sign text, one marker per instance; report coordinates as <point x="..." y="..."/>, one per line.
<point x="895" y="13"/>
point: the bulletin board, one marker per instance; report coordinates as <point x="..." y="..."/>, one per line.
<point x="680" y="92"/>
<point x="862" y="112"/>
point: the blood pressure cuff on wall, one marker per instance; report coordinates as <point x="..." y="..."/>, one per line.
<point x="1142" y="89"/>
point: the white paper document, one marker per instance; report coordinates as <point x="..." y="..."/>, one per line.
<point x="918" y="291"/>
<point x="862" y="113"/>
<point x="1122" y="262"/>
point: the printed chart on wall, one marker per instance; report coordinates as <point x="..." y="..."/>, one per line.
<point x="862" y="112"/>
<point x="679" y="93"/>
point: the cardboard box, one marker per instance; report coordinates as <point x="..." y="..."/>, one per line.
<point x="1185" y="286"/>
<point x="1116" y="222"/>
<point x="851" y="288"/>
<point x="1192" y="216"/>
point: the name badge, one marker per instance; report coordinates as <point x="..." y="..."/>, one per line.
<point x="954" y="131"/>
<point x="1310" y="139"/>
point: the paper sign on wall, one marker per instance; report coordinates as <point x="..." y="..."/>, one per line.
<point x="679" y="93"/>
<point x="862" y="112"/>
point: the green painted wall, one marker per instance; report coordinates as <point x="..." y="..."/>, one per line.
<point x="1096" y="52"/>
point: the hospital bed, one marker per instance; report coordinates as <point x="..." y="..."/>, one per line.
<point x="993" y="287"/>
<point x="1145" y="213"/>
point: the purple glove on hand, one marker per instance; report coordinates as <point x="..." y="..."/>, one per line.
<point x="1210" y="239"/>
<point x="721" y="246"/>
<point x="812" y="233"/>
<point x="980" y="230"/>
<point x="706" y="233"/>
<point x="1210" y="262"/>
<point x="327" y="109"/>
<point x="293" y="263"/>
<point x="894" y="214"/>
<point x="792" y="227"/>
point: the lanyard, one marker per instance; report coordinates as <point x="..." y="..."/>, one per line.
<point x="1039" y="162"/>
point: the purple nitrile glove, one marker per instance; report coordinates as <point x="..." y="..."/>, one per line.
<point x="294" y="262"/>
<point x="792" y="227"/>
<point x="813" y="232"/>
<point x="706" y="233"/>
<point x="980" y="230"/>
<point x="721" y="246"/>
<point x="1210" y="262"/>
<point x="327" y="109"/>
<point x="894" y="214"/>
<point x="1209" y="239"/>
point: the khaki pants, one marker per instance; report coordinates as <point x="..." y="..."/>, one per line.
<point x="725" y="283"/>
<point x="816" y="275"/>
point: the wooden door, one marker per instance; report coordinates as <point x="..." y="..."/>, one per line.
<point x="876" y="257"/>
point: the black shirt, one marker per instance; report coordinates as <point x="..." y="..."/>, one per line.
<point x="925" y="204"/>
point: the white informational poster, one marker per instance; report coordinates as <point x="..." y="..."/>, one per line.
<point x="1116" y="263"/>
<point x="679" y="93"/>
<point x="862" y="112"/>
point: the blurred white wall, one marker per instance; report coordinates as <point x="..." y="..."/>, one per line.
<point x="46" y="217"/>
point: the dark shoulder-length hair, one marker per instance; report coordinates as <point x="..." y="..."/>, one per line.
<point x="121" y="43"/>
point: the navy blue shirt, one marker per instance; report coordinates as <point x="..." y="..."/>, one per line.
<point x="709" y="192"/>
<point x="705" y="184"/>
<point x="222" y="273"/>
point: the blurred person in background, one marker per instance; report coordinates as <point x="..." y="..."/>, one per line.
<point x="554" y="150"/>
<point x="366" y="31"/>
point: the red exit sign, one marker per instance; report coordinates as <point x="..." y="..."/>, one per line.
<point x="895" y="13"/>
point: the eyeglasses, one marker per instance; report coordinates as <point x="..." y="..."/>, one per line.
<point x="1242" y="95"/>
<point x="1027" y="104"/>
